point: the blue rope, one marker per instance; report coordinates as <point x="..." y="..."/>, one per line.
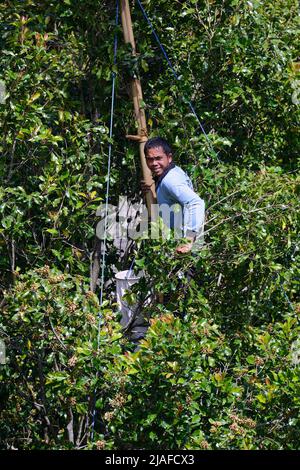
<point x="286" y="297"/>
<point x="177" y="77"/>
<point x="107" y="196"/>
<point x="108" y="169"/>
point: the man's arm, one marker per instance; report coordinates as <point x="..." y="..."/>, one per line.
<point x="193" y="212"/>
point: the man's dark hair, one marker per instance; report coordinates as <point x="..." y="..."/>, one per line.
<point x="155" y="142"/>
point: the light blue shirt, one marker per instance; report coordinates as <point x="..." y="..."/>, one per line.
<point x="177" y="188"/>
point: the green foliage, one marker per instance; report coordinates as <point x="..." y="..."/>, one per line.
<point x="55" y="360"/>
<point x="190" y="387"/>
<point x="251" y="252"/>
<point x="219" y="368"/>
<point x="54" y="141"/>
<point x="234" y="60"/>
<point x="253" y="245"/>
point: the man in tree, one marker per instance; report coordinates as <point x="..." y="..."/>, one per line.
<point x="173" y="187"/>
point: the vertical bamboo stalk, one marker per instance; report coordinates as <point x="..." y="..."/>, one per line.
<point x="137" y="97"/>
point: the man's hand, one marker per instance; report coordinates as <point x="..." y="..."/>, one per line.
<point x="145" y="187"/>
<point x="186" y="248"/>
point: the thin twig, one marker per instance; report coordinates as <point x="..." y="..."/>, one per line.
<point x="56" y="335"/>
<point x="12" y="156"/>
<point x="242" y="214"/>
<point x="224" y="198"/>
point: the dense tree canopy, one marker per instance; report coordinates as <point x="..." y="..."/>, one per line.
<point x="219" y="367"/>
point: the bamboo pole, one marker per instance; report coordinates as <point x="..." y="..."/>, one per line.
<point x="137" y="97"/>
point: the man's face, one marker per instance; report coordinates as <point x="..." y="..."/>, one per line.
<point x="157" y="160"/>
